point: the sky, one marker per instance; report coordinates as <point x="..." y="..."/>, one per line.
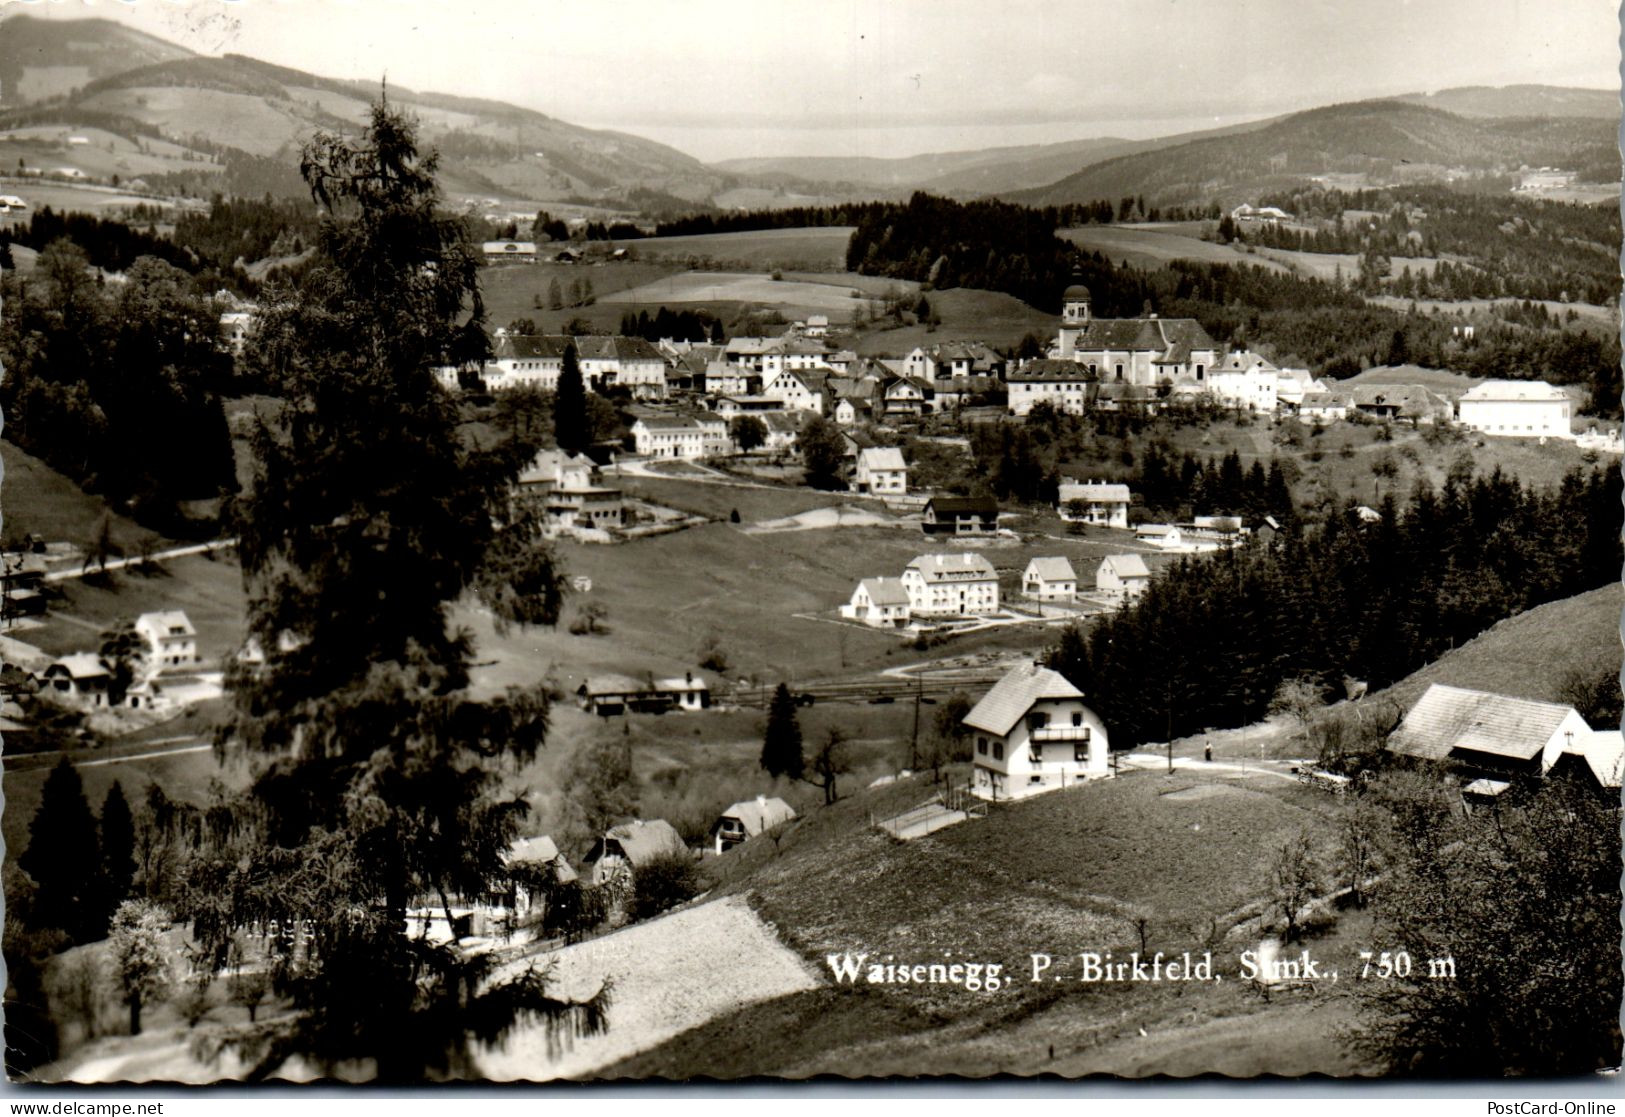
<point x="723" y="79"/>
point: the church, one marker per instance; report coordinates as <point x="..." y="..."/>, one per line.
<point x="1134" y="352"/>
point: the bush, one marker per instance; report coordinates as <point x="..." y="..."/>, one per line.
<point x="661" y="884"/>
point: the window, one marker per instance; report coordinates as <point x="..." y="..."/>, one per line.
<point x="1037" y="720"/>
<point x="1036" y="779"/>
<point x="1077" y="717"/>
<point x="1119" y="372"/>
<point x="1036" y="754"/>
<point x="998" y="750"/>
<point x="981" y="745"/>
<point x="1080" y="752"/>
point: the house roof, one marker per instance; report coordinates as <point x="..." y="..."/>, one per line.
<point x="1052" y="569"/>
<point x="540" y="848"/>
<point x="881" y="457"/>
<point x="1448" y="718"/>
<point x="1127" y="566"/>
<point x="642" y="841"/>
<point x="689" y="684"/>
<point x="548" y="464"/>
<point x="1013" y="695"/>
<point x="680" y="422"/>
<point x="1407" y="399"/>
<point x="759" y="814"/>
<point x="167" y="622"/>
<point x="1094" y="493"/>
<point x="1604" y="754"/>
<point x="81" y="665"/>
<point x="933" y="567"/>
<point x="1050" y="370"/>
<point x="984" y="506"/>
<point x="600" y="685"/>
<point x="885" y="591"/>
<point x="1157" y="335"/>
<point x="1513" y="390"/>
<point x="1155" y="529"/>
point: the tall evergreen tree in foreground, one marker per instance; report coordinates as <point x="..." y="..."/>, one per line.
<point x="63" y="858"/>
<point x="376" y="787"/>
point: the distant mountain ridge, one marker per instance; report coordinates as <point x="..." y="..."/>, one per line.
<point x="1521" y="100"/>
<point x="1387" y="140"/>
<point x="267" y="110"/>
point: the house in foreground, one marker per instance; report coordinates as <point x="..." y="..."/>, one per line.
<point x="1034" y="734"/>
<point x="1489" y="738"/>
<point x="745" y="820"/>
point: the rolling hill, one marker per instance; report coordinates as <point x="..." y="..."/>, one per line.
<point x="48" y="58"/>
<point x="235" y="104"/>
<point x="1521" y="100"/>
<point x="1379" y="142"/>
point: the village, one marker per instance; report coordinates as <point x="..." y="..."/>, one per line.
<point x="489" y="598"/>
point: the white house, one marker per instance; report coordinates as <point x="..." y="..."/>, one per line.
<point x="1320" y="406"/>
<point x="881" y="469"/>
<point x="1093" y="503"/>
<point x="1065" y="385"/>
<point x="1050" y="579"/>
<point x="1517" y="409"/>
<point x="77" y="680"/>
<point x="1244" y="381"/>
<point x="880" y="603"/>
<point x="1137" y="351"/>
<point x="1122" y="577"/>
<point x="1034" y="734"/>
<point x="800" y="390"/>
<point x="171" y="641"/>
<point x="1167" y="536"/>
<point x="745" y="820"/>
<point x="680" y="436"/>
<point x="951" y="585"/>
<point x="510" y="251"/>
<point x="234" y="327"/>
<point x="629" y="846"/>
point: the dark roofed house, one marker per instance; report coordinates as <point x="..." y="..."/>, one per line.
<point x="961" y="515"/>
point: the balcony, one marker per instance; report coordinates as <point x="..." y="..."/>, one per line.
<point x="1060" y="733"/>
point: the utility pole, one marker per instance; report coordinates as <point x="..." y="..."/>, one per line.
<point x="914" y="742"/>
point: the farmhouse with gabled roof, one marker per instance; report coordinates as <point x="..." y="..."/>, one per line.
<point x="1034" y="734"/>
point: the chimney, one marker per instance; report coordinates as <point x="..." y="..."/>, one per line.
<point x="761" y="800"/>
<point x="688" y="677"/>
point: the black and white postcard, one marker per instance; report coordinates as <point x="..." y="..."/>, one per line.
<point x="901" y="539"/>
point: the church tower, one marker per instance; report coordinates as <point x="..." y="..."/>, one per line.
<point x="1075" y="306"/>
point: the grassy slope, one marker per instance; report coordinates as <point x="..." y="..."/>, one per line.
<point x="811" y="249"/>
<point x="1528" y="655"/>
<point x="210" y="590"/>
<point x="967" y="314"/>
<point x="1064" y="872"/>
<point x="510" y="290"/>
<point x="36" y="498"/>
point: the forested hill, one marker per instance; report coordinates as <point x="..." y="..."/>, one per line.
<point x="1387" y="140"/>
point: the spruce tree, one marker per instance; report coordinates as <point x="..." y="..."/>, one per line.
<point x="118" y="847"/>
<point x="570" y="404"/>
<point x="781" y="744"/>
<point x="63" y="859"/>
<point x="376" y="784"/>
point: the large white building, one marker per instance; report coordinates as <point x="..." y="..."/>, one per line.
<point x="1065" y="385"/>
<point x="1143" y="352"/>
<point x="951" y="585"/>
<point x="1034" y="734"/>
<point x="1244" y="381"/>
<point x="681" y="436"/>
<point x="1517" y="409"/>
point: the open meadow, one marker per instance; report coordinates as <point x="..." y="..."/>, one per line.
<point x="793" y="297"/>
<point x="967" y="314"/>
<point x="821" y="248"/>
<point x="1155" y="245"/>
<point x="1181" y="860"/>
